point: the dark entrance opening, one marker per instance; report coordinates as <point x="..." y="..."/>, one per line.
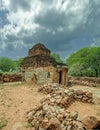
<point x="60" y="77"/>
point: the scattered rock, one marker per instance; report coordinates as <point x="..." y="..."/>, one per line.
<point x="54" y="124"/>
<point x="90" y="122"/>
<point x="51" y="114"/>
<point x="73" y="115"/>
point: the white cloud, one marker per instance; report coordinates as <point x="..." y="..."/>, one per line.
<point x="50" y="21"/>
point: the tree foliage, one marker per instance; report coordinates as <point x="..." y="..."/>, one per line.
<point x="9" y="65"/>
<point x="6" y="64"/>
<point x="57" y="57"/>
<point x="18" y="63"/>
<point x="85" y="62"/>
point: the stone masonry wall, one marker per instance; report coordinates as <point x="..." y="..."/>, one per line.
<point x="10" y="77"/>
<point x="41" y="75"/>
<point x="86" y="81"/>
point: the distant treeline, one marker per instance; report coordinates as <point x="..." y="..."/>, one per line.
<point x="9" y="65"/>
<point x="85" y="62"/>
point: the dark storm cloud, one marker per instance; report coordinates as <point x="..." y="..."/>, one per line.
<point x="63" y="26"/>
<point x="11" y="38"/>
<point x="51" y="19"/>
<point x="3" y="19"/>
<point x="16" y="4"/>
<point x="10" y="47"/>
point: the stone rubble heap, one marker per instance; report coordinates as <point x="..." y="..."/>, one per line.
<point x="67" y="94"/>
<point x="86" y="81"/>
<point x="52" y="114"/>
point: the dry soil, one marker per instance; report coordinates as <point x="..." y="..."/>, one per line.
<point x="18" y="98"/>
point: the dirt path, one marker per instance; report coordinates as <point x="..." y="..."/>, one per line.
<point x="15" y="100"/>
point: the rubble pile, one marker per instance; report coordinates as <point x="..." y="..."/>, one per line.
<point x="86" y="81"/>
<point x="10" y="77"/>
<point x="67" y="94"/>
<point x="52" y="114"/>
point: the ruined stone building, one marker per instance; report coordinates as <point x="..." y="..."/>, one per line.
<point x="40" y="67"/>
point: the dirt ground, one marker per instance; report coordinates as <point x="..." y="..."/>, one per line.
<point x="85" y="109"/>
<point x="15" y="100"/>
<point x="18" y="98"/>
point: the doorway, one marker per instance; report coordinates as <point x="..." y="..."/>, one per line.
<point x="60" y="77"/>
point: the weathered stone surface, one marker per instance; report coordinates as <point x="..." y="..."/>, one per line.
<point x="10" y="77"/>
<point x="73" y="115"/>
<point x="90" y="122"/>
<point x="51" y="114"/>
<point x="67" y="96"/>
<point x="86" y="81"/>
<point x="39" y="49"/>
<point x="45" y="123"/>
<point x="44" y="67"/>
<point x="79" y="92"/>
<point x="54" y="124"/>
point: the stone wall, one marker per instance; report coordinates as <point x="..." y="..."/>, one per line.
<point x="10" y="77"/>
<point x="41" y="75"/>
<point x="86" y="81"/>
<point x="44" y="75"/>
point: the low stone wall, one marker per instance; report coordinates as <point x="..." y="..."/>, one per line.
<point x="10" y="77"/>
<point x="86" y="81"/>
<point x="52" y="114"/>
<point x="66" y="96"/>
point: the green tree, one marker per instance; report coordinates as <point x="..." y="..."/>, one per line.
<point x="94" y="60"/>
<point x="6" y="64"/>
<point x="57" y="57"/>
<point x="85" y="62"/>
<point x="18" y="63"/>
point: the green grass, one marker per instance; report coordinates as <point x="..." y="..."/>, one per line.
<point x="28" y="125"/>
<point x="12" y="84"/>
<point x="3" y="123"/>
<point x="1" y="86"/>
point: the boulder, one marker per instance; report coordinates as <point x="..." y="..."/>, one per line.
<point x="54" y="124"/>
<point x="73" y="115"/>
<point x="90" y="122"/>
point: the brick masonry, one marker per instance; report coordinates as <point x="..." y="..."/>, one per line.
<point x="41" y="68"/>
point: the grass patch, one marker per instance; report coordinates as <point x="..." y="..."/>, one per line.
<point x="3" y="123"/>
<point x="11" y="84"/>
<point x="28" y="125"/>
<point x="17" y="84"/>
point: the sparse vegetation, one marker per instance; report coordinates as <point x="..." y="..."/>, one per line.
<point x="17" y="84"/>
<point x="28" y="125"/>
<point x="3" y="123"/>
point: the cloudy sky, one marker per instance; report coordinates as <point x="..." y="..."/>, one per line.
<point x="64" y="26"/>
